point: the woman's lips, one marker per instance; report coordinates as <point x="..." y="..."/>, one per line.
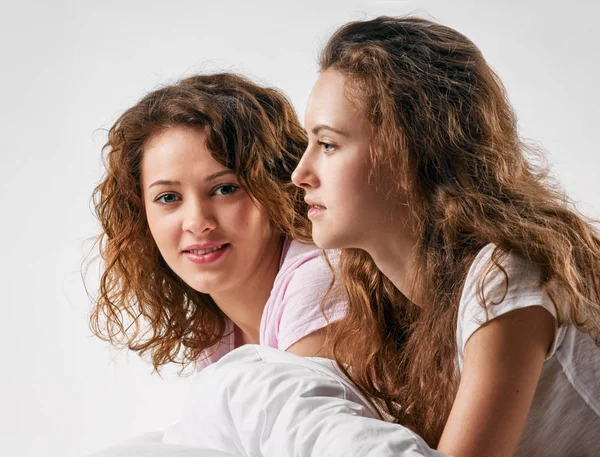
<point x="208" y="255"/>
<point x="315" y="211"/>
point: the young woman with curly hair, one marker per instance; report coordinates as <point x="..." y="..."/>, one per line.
<point x="474" y="284"/>
<point x="204" y="242"/>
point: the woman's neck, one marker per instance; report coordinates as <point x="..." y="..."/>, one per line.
<point x="394" y="254"/>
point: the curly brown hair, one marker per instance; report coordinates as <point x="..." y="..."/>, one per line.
<point x="443" y="127"/>
<point x="142" y="304"/>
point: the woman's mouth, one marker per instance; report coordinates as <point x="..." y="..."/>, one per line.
<point x="315" y="211"/>
<point x="208" y="255"/>
<point x="205" y="251"/>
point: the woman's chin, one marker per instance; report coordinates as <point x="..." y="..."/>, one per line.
<point x="203" y="286"/>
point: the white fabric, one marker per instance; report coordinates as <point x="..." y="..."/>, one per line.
<point x="564" y="419"/>
<point x="259" y="401"/>
<point x="150" y="445"/>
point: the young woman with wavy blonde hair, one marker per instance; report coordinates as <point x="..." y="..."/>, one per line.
<point x="474" y="284"/>
<point x="205" y="244"/>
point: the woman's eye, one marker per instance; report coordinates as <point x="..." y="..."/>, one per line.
<point x="167" y="198"/>
<point x="327" y="147"/>
<point x="226" y="189"/>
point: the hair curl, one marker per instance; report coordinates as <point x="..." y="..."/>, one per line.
<point x="443" y="126"/>
<point x="142" y="304"/>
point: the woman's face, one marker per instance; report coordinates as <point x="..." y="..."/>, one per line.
<point x="207" y="228"/>
<point x="346" y="207"/>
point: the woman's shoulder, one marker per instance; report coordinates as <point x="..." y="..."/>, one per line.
<point x="295" y="307"/>
<point x="497" y="268"/>
<point x="491" y="252"/>
<point x="498" y="281"/>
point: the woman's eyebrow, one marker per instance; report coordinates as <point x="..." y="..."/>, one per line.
<point x="218" y="174"/>
<point x="170" y="182"/>
<point x="164" y="182"/>
<point x="317" y="128"/>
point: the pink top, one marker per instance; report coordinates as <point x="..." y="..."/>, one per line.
<point x="293" y="309"/>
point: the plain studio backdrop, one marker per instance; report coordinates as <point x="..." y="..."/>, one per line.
<point x="70" y="68"/>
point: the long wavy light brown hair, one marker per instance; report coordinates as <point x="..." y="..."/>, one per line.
<point x="443" y="125"/>
<point x="142" y="304"/>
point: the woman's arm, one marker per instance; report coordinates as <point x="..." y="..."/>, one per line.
<point x="502" y="365"/>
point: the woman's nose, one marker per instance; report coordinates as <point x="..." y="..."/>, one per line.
<point x="304" y="176"/>
<point x="199" y="218"/>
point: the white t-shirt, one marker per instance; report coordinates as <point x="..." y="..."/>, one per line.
<point x="564" y="420"/>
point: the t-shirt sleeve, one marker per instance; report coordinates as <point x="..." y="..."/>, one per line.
<point x="301" y="307"/>
<point x="518" y="286"/>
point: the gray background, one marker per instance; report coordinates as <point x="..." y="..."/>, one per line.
<point x="69" y="68"/>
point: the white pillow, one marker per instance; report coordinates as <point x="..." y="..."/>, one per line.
<point x="259" y="401"/>
<point x="150" y="445"/>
